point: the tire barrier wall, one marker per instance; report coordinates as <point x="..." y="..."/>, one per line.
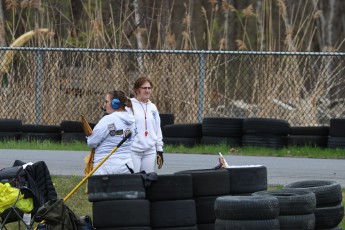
<point x="182" y="201"/>
<point x="256" y="132"/>
<point x="208" y="199"/>
<point x="235" y="132"/>
<point x="41" y="132"/>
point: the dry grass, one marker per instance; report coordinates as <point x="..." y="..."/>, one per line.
<point x="295" y="88"/>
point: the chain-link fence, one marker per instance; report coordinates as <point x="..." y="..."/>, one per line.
<point x="46" y="86"/>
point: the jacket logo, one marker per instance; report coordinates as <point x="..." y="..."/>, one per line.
<point x="112" y="129"/>
<point x="154" y="114"/>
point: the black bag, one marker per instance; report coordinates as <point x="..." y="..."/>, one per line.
<point x="86" y="224"/>
<point x="58" y="216"/>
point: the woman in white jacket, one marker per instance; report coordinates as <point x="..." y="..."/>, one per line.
<point x="148" y="139"/>
<point x="109" y="131"/>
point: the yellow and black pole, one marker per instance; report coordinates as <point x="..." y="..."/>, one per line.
<point x="93" y="170"/>
<point x="97" y="166"/>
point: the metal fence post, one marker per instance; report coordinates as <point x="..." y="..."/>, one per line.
<point x="38" y="87"/>
<point x="201" y="85"/>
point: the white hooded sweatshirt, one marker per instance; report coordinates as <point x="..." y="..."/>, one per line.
<point x="108" y="132"/>
<point x="148" y="133"/>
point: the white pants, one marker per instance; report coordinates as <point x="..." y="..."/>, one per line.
<point x="114" y="168"/>
<point x="144" y="161"/>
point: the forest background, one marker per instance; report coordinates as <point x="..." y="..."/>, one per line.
<point x="260" y="25"/>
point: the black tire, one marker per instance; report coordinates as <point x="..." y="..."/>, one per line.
<point x="246" y="207"/>
<point x="54" y="137"/>
<point x="222" y="127"/>
<point x="116" y="187"/>
<point x="205" y="209"/>
<point x="126" y="228"/>
<point x="182" y="130"/>
<point x="210" y="226"/>
<point x="247" y="179"/>
<point x="121" y="213"/>
<point x="10" y="125"/>
<point x="41" y="129"/>
<point x="266" y="126"/>
<point x="71" y="127"/>
<point x="337" y="127"/>
<point x="328" y="217"/>
<point x="264" y="140"/>
<point x="292" y="201"/>
<point x="73" y="137"/>
<point x="306" y="222"/>
<point x="270" y="224"/>
<point x="180" y="228"/>
<point x="230" y="141"/>
<point x="166" y="119"/>
<point x="209" y="182"/>
<point x="170" y="187"/>
<point x="310" y="141"/>
<point x="5" y="136"/>
<point x="309" y="131"/>
<point x="176" y="141"/>
<point x="336" y="142"/>
<point x="327" y="193"/>
<point x="336" y="228"/>
<point x="174" y="213"/>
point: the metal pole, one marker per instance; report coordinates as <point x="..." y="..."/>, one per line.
<point x="201" y="85"/>
<point x="38" y="87"/>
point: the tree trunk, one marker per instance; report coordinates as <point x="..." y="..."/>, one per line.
<point x="178" y="13"/>
<point x="2" y="27"/>
<point x="261" y="32"/>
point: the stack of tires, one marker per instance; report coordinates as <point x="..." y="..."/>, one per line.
<point x="265" y="132"/>
<point x="171" y="203"/>
<point x="329" y="212"/>
<point x="208" y="185"/>
<point x="246" y="212"/>
<point x="119" y="202"/>
<point x="336" y="133"/>
<point x="308" y="136"/>
<point x="41" y="133"/>
<point x="10" y="129"/>
<point x="182" y="134"/>
<point x="296" y="208"/>
<point x="221" y="130"/>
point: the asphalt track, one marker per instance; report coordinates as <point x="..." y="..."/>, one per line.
<point x="280" y="170"/>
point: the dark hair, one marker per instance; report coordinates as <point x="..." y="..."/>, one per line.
<point x="140" y="81"/>
<point x="124" y="100"/>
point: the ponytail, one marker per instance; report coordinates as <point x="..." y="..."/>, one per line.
<point x="129" y="104"/>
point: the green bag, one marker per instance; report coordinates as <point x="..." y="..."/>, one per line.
<point x="57" y="216"/>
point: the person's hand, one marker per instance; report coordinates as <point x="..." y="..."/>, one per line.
<point x="160" y="159"/>
<point x="222" y="164"/>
